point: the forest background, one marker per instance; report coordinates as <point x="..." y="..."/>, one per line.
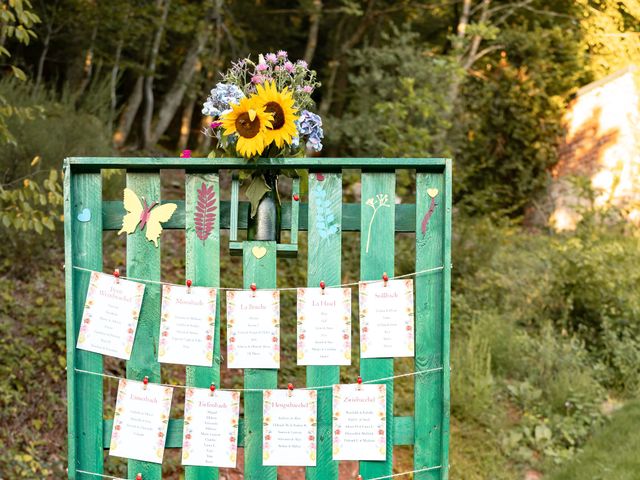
<point x="545" y="325"/>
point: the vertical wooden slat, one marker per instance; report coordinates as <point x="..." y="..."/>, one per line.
<point x="83" y="249"/>
<point x="379" y="232"/>
<point x="323" y="264"/>
<point x="262" y="272"/>
<point x="143" y="261"/>
<point x="203" y="268"/>
<point x="429" y="318"/>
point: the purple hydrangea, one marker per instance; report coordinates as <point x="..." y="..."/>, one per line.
<point x="220" y="100"/>
<point x="309" y="126"/>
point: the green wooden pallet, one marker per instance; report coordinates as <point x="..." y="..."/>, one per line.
<point x="427" y="430"/>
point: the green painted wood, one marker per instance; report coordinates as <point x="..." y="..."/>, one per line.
<point x="319" y="163"/>
<point x="429" y="318"/>
<point x="295" y="211"/>
<point x="378" y="232"/>
<point x="203" y="269"/>
<point x="446" y="320"/>
<point x="143" y="261"/>
<point x="262" y="272"/>
<point x="403" y="432"/>
<point x="85" y="403"/>
<point x="405" y="221"/>
<point x="324" y="262"/>
<point x="235" y="204"/>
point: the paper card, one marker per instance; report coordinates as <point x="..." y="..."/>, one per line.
<point x="140" y="421"/>
<point x="110" y="315"/>
<point x="359" y="422"/>
<point x="210" y="436"/>
<point x="324" y="326"/>
<point x="289" y="427"/>
<point x="253" y="329"/>
<point x="386" y="319"/>
<point x="187" y="325"/>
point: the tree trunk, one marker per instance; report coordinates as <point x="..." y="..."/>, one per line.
<point x="129" y="114"/>
<point x="185" y="123"/>
<point x="173" y="98"/>
<point x="115" y="71"/>
<point x="151" y="71"/>
<point x="88" y="64"/>
<point x="43" y="55"/>
<point x="314" y="29"/>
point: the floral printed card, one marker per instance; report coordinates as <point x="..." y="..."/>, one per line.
<point x="253" y="329"/>
<point x="110" y="315"/>
<point x="289" y="427"/>
<point x="386" y="319"/>
<point x="359" y="422"/>
<point x="140" y="421"/>
<point x="187" y="325"/>
<point x="210" y="436"/>
<point x="324" y="326"/>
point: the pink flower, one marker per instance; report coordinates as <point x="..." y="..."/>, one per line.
<point x="215" y="125"/>
<point x="288" y="66"/>
<point x="271" y="57"/>
<point x="282" y="54"/>
<point x="307" y="89"/>
<point x="185" y="154"/>
<point x="261" y="67"/>
<point x="257" y="79"/>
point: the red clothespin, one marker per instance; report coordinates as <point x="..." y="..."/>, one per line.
<point x="254" y="288"/>
<point x="290" y="387"/>
<point x="145" y="380"/>
<point x="385" y="278"/>
<point x="116" y="273"/>
<point x="359" y="477"/>
<point x="322" y="286"/>
<point x="359" y="383"/>
<point x="139" y="476"/>
<point x="189" y="286"/>
<point x="212" y="388"/>
<point x="296" y="197"/>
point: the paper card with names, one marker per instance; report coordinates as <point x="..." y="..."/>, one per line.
<point x="386" y="319"/>
<point x="253" y="329"/>
<point x="324" y="326"/>
<point x="110" y="315"/>
<point x="210" y="435"/>
<point x="289" y="427"/>
<point x="140" y="421"/>
<point x="187" y="325"/>
<point x="359" y="422"/>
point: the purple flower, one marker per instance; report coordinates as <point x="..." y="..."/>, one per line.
<point x="271" y="57"/>
<point x="307" y="89"/>
<point x="302" y="63"/>
<point x="288" y="66"/>
<point x="282" y="54"/>
<point x="261" y="67"/>
<point x="257" y="79"/>
<point x="215" y="125"/>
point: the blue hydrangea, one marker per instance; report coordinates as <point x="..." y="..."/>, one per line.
<point x="310" y="126"/>
<point x="222" y="96"/>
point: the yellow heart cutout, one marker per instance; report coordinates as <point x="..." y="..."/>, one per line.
<point x="259" y="252"/>
<point x="432" y="192"/>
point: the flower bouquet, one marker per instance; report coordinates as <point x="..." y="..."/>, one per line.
<point x="261" y="109"/>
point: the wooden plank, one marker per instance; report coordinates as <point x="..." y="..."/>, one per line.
<point x="429" y="295"/>
<point x="203" y="269"/>
<point x="143" y="261"/>
<point x="402" y="427"/>
<point x="262" y="272"/>
<point x="324" y="257"/>
<point x="377" y="248"/>
<point x="319" y="163"/>
<point x="405" y="220"/>
<point x="83" y="245"/>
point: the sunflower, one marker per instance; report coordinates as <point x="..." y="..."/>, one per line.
<point x="280" y="104"/>
<point x="249" y="120"/>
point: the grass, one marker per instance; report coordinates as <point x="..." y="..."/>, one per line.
<point x="612" y="454"/>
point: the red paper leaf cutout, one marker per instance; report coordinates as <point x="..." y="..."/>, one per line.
<point x="427" y="216"/>
<point x="204" y="218"/>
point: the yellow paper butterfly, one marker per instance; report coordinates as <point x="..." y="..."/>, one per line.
<point x="149" y="216"/>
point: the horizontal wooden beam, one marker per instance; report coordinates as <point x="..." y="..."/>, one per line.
<point x="112" y="212"/>
<point x="402" y="432"/>
<point x="312" y="163"/>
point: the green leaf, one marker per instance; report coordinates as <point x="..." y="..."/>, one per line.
<point x="255" y="191"/>
<point x="19" y="74"/>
